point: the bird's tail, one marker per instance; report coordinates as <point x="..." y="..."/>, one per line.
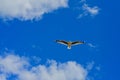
<point x="69" y="47"/>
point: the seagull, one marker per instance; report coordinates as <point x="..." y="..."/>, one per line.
<point x="69" y="43"/>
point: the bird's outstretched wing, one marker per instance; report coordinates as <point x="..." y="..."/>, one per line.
<point x="77" y="42"/>
<point x="62" y="42"/>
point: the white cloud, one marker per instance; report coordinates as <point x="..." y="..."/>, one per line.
<point x="20" y="66"/>
<point x="3" y="77"/>
<point x="91" y="45"/>
<point x="29" y="9"/>
<point x="87" y="10"/>
<point x="90" y="65"/>
<point x="91" y="10"/>
<point x="98" y="68"/>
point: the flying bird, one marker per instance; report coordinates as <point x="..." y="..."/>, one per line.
<point x="69" y="43"/>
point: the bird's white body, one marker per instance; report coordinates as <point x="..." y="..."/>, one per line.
<point x="69" y="47"/>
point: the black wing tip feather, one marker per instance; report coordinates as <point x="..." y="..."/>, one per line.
<point x="83" y="42"/>
<point x="56" y="40"/>
<point x="63" y="41"/>
<point x="59" y="40"/>
<point x="78" y="42"/>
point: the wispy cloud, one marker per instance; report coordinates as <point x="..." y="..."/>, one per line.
<point x="98" y="68"/>
<point x="90" y="65"/>
<point x="88" y="10"/>
<point x="91" y="45"/>
<point x="13" y="65"/>
<point x="29" y="9"/>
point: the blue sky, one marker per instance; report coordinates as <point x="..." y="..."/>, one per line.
<point x="28" y="30"/>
